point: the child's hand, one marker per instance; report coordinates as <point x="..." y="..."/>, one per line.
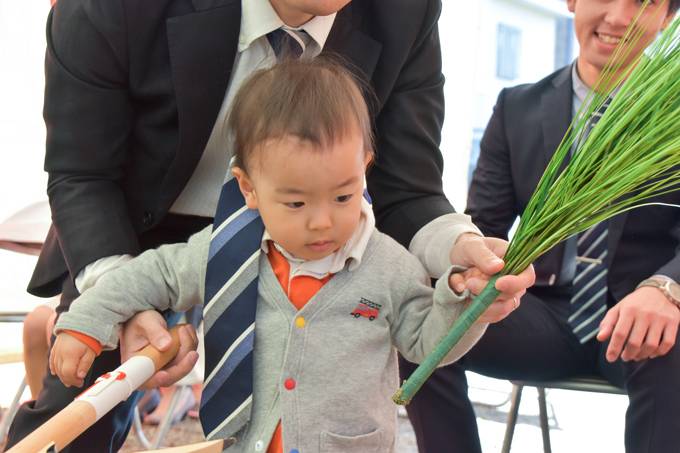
<point x="475" y="280"/>
<point x="70" y="359"/>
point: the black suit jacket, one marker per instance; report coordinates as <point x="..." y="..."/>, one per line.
<point x="525" y="130"/>
<point x="133" y="88"/>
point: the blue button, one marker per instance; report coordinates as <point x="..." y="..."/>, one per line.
<point x="294" y="451"/>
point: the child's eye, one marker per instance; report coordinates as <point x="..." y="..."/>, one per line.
<point x="343" y="198"/>
<point x="295" y="204"/>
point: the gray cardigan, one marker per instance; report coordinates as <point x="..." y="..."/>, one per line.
<point x="344" y="366"/>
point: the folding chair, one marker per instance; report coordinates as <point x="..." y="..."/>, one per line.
<point x="23" y="232"/>
<point x="583" y="383"/>
<point x="11" y="355"/>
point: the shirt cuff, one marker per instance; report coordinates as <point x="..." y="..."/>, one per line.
<point x="433" y="243"/>
<point x="89" y="341"/>
<point x="91" y="273"/>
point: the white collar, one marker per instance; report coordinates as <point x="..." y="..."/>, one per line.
<point x="259" y="18"/>
<point x="581" y="90"/>
<point x="352" y="251"/>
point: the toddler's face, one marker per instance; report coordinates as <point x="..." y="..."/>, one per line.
<point x="309" y="198"/>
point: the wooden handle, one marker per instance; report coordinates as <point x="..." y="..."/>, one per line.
<point x="160" y="359"/>
<point x="75" y="418"/>
<point x="212" y="446"/>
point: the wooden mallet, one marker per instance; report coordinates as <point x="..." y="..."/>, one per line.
<point x="109" y="390"/>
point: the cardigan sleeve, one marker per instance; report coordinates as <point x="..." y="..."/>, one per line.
<point x="172" y="276"/>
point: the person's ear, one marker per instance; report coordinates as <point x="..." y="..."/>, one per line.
<point x="571" y="5"/>
<point x="369" y="159"/>
<point x="245" y="184"/>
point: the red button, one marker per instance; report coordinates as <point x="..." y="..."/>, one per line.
<point x="289" y="384"/>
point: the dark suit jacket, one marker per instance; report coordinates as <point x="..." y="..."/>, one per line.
<point x="525" y="130"/>
<point x="133" y="88"/>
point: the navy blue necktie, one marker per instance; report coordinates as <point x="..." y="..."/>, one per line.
<point x="229" y="314"/>
<point x="589" y="296"/>
<point x="286" y="43"/>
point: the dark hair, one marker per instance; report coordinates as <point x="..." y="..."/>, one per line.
<point x="317" y="100"/>
<point x="673" y="6"/>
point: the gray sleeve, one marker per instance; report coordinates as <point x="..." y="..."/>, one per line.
<point x="426" y="315"/>
<point x="172" y="276"/>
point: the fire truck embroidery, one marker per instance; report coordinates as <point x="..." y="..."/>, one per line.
<point x="367" y="309"/>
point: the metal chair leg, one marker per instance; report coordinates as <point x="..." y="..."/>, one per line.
<point x="543" y="417"/>
<point x="139" y="432"/>
<point x="512" y="417"/>
<point x="164" y="427"/>
<point x="12" y="410"/>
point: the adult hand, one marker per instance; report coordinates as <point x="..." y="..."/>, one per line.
<point x="149" y="327"/>
<point x="483" y="256"/>
<point x="645" y="322"/>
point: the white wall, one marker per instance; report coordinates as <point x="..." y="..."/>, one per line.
<point x="536" y="55"/>
<point x="469" y="32"/>
<point x="459" y="29"/>
<point x="22" y="132"/>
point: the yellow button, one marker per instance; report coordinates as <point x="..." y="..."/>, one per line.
<point x="300" y="322"/>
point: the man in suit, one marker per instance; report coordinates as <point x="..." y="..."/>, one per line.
<point x="635" y="347"/>
<point x="136" y="97"/>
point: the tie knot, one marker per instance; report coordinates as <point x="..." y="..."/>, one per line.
<point x="286" y="43"/>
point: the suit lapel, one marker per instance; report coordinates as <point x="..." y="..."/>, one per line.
<point x="200" y="78"/>
<point x="556" y="107"/>
<point x="615" y="226"/>
<point x="345" y="39"/>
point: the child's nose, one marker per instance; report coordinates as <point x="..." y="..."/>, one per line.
<point x="320" y="219"/>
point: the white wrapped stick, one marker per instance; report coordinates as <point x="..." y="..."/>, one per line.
<point x="109" y="390"/>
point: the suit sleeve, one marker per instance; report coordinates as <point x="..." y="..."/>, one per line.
<point x="88" y="113"/>
<point x="406" y="182"/>
<point x="492" y="202"/>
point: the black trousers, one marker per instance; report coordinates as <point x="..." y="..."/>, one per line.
<point x="535" y="342"/>
<point x="110" y="432"/>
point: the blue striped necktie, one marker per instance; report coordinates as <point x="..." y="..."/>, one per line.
<point x="589" y="291"/>
<point x="229" y="314"/>
<point x="231" y="295"/>
<point x="589" y="297"/>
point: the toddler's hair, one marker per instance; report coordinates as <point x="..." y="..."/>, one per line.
<point x="316" y="100"/>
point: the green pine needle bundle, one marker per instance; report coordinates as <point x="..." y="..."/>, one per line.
<point x="629" y="156"/>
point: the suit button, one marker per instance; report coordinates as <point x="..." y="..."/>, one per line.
<point x="148" y="219"/>
<point x="289" y="384"/>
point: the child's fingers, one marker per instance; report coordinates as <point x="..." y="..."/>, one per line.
<point x="53" y="369"/>
<point x="85" y="364"/>
<point x="69" y="368"/>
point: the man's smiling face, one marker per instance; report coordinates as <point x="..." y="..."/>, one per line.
<point x="601" y="24"/>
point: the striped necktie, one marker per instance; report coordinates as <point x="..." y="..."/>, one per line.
<point x="589" y="293"/>
<point x="229" y="314"/>
<point x="286" y="43"/>
<point x="589" y="297"/>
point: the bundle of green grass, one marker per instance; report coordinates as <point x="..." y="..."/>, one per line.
<point x="633" y="150"/>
